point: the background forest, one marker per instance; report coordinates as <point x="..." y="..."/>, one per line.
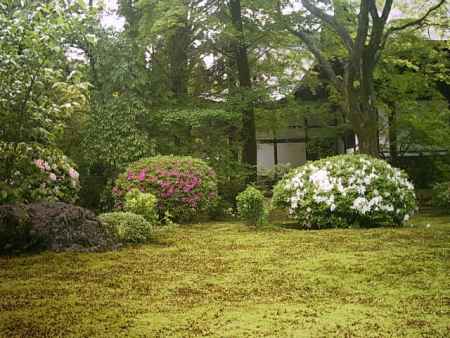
<point x="190" y="77"/>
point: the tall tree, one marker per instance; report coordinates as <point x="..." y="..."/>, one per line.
<point x="245" y="85"/>
<point x="363" y="49"/>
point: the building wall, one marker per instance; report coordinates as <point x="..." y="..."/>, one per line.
<point x="287" y="146"/>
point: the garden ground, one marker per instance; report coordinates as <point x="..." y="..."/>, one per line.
<point x="227" y="280"/>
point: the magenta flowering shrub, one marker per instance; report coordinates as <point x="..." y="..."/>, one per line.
<point x="184" y="186"/>
<point x="31" y="173"/>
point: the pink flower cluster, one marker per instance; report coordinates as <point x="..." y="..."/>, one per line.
<point x="182" y="185"/>
<point x="170" y="182"/>
<point x="44" y="166"/>
<point x="41" y="164"/>
<point x="193" y="200"/>
<point x="74" y="174"/>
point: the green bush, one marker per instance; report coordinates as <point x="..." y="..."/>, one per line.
<point x="30" y="173"/>
<point x="250" y="206"/>
<point x="142" y="204"/>
<point x="441" y="196"/>
<point x="127" y="226"/>
<point x="344" y="191"/>
<point x="184" y="186"/>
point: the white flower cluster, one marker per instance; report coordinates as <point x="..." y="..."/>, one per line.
<point x="349" y="184"/>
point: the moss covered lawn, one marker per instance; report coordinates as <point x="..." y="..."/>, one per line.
<point x="226" y="280"/>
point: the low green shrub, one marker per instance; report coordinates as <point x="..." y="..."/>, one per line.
<point x="250" y="206"/>
<point x="184" y="186"/>
<point x="127" y="226"/>
<point x="144" y="204"/>
<point x="344" y="191"/>
<point x="441" y="196"/>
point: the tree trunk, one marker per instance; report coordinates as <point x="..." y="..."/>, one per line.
<point x="178" y="62"/>
<point x="245" y="85"/>
<point x="359" y="95"/>
<point x="368" y="140"/>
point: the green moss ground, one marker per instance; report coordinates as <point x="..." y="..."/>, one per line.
<point x="226" y="280"/>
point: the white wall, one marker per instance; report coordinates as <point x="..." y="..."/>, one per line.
<point x="293" y="153"/>
<point x="265" y="157"/>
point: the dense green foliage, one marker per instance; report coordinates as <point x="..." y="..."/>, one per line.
<point x="39" y="90"/>
<point x="144" y="204"/>
<point x="346" y="191"/>
<point x="127" y="226"/>
<point x="410" y="82"/>
<point x="15" y="231"/>
<point x="30" y="172"/>
<point x="184" y="186"/>
<point x="251" y="206"/>
<point x="173" y="81"/>
<point x="441" y="196"/>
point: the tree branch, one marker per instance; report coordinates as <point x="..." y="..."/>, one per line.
<point x="332" y="22"/>
<point x="414" y="22"/>
<point x="373" y="11"/>
<point x="387" y="10"/>
<point x="311" y="46"/>
<point x="378" y="26"/>
<point x="309" y="42"/>
<point x="363" y="29"/>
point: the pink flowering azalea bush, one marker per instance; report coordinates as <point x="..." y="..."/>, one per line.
<point x="346" y="191"/>
<point x="184" y="186"/>
<point x="31" y="173"/>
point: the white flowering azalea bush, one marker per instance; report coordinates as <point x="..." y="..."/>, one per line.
<point x="31" y="173"/>
<point x="345" y="191"/>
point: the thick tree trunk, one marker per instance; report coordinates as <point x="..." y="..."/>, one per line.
<point x="365" y="126"/>
<point x="359" y="96"/>
<point x="368" y="140"/>
<point x="245" y="84"/>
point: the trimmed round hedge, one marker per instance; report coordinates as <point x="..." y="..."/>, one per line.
<point x="127" y="227"/>
<point x="31" y="173"/>
<point x="345" y="191"/>
<point x="183" y="186"/>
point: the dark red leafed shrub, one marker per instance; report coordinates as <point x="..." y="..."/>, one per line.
<point x="52" y="226"/>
